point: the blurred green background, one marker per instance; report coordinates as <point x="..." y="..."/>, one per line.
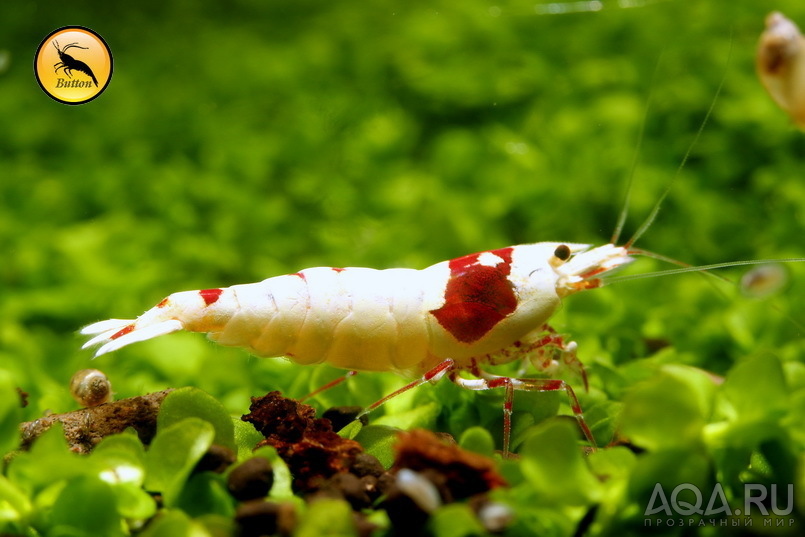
<point x="248" y="139"/>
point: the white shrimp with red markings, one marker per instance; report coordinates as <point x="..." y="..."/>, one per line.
<point x="456" y="316"/>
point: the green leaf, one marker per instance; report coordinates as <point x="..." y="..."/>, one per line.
<point x="666" y="410"/>
<point x="351" y="430"/>
<point x="327" y="518"/>
<point x="48" y="461"/>
<point x="123" y="456"/>
<point x="174" y="523"/>
<point x="420" y="416"/>
<point x="10" y="413"/>
<point x="206" y="493"/>
<point x="246" y="438"/>
<point x="612" y="462"/>
<point x="120" y="461"/>
<point x="14" y="504"/>
<point x="668" y="468"/>
<point x="756" y="387"/>
<point x="378" y="440"/>
<point x="541" y="405"/>
<point x="553" y="464"/>
<point x="192" y="402"/>
<point x="174" y="453"/>
<point x="133" y="503"/>
<point x="455" y="520"/>
<point x="86" y="506"/>
<point x="479" y="440"/>
<point x="217" y="525"/>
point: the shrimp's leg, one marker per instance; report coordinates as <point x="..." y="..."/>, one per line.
<point x="432" y="375"/>
<point x="541" y="353"/>
<point x="490" y="382"/>
<point x="329" y="385"/>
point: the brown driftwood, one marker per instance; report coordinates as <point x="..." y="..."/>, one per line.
<point x="84" y="428"/>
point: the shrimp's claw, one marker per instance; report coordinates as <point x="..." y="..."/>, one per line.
<point x="113" y="334"/>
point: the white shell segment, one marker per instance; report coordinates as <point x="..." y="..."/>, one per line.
<point x="407" y="295"/>
<point x="281" y="322"/>
<point x="253" y="305"/>
<point x="325" y="307"/>
<point x="367" y="336"/>
<point x="353" y="318"/>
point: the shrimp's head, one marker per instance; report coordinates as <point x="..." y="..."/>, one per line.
<point x="577" y="266"/>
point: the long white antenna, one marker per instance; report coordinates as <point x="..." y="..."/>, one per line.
<point x="656" y="209"/>
<point x="703" y="268"/>
<point x="636" y="157"/>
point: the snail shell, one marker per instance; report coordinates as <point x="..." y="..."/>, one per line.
<point x="90" y="387"/>
<point x="781" y="65"/>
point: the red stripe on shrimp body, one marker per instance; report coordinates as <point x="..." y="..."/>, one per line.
<point x="210" y="296"/>
<point x="123" y="331"/>
<point x="478" y="294"/>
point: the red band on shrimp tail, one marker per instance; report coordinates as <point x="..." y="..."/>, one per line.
<point x="123" y="331"/>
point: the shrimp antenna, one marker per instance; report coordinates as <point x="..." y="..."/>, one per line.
<point x="666" y="259"/>
<point x="656" y="209"/>
<point x="636" y="157"/>
<point x="702" y="268"/>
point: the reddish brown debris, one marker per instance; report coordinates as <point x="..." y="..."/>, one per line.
<point x="325" y="465"/>
<point x="461" y="472"/>
<point x="84" y="428"/>
<point x="23" y="397"/>
<point x="309" y="446"/>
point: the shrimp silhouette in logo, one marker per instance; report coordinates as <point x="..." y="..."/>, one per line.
<point x="69" y="64"/>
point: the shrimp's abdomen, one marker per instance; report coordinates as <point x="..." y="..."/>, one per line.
<point x="352" y="318"/>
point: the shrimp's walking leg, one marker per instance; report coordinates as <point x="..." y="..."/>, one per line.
<point x="432" y="375"/>
<point x="542" y="351"/>
<point x="490" y="382"/>
<point x="329" y="385"/>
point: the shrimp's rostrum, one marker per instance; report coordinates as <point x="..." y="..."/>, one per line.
<point x="482" y="309"/>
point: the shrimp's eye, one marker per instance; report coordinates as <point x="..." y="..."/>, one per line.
<point x="562" y="252"/>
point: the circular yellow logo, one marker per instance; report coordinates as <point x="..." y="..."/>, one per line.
<point x="73" y="65"/>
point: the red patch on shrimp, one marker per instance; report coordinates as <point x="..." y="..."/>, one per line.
<point x="210" y="295"/>
<point x="123" y="331"/>
<point x="163" y="303"/>
<point x="478" y="296"/>
<point x="498" y="382"/>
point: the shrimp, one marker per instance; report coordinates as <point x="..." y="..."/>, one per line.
<point x="453" y="319"/>
<point x="456" y="316"/>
